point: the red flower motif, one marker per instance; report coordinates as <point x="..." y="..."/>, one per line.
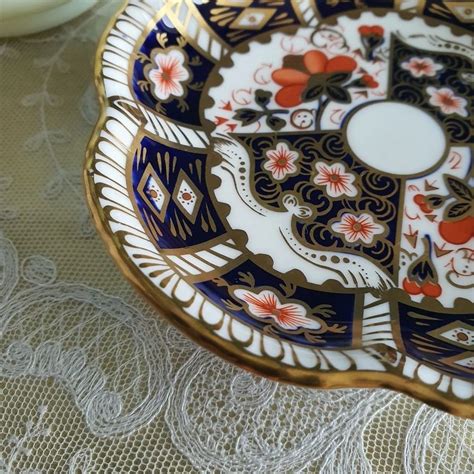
<point x="334" y="177"/>
<point x="295" y="80"/>
<point x="281" y="161"/>
<point x="420" y="199"/>
<point x="170" y="73"/>
<point x="356" y="228"/>
<point x="421" y="275"/>
<point x="366" y="30"/>
<point x="369" y="81"/>
<point x="371" y="38"/>
<point x="419" y="67"/>
<point x="447" y="101"/>
<point x="267" y="305"/>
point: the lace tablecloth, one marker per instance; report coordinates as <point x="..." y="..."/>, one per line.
<point x="93" y="380"/>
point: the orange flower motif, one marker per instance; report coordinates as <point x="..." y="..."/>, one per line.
<point x="419" y="67"/>
<point x="368" y="81"/>
<point x="366" y="30"/>
<point x="355" y="228"/>
<point x="168" y="76"/>
<point x="294" y="80"/>
<point x="336" y="179"/>
<point x="447" y="101"/>
<point x="281" y="161"/>
<point x="267" y="305"/>
<point x="371" y="38"/>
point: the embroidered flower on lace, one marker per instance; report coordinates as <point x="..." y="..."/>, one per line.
<point x="20" y="443"/>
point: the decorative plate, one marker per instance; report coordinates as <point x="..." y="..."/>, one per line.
<point x="290" y="182"/>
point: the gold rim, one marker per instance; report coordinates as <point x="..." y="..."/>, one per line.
<point x="234" y="352"/>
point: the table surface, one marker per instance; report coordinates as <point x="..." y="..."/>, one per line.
<point x="92" y="379"/>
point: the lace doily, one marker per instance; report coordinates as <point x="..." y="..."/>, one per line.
<point x="91" y="380"/>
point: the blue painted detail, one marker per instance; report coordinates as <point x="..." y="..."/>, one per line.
<point x="437" y="9"/>
<point x="280" y="15"/>
<point x="327" y="9"/>
<point x="312" y="147"/>
<point x="175" y="229"/>
<point x="380" y="3"/>
<point x="343" y="304"/>
<point x="406" y="88"/>
<point x="413" y="327"/>
<point x="185" y="232"/>
<point x="198" y="65"/>
<point x="332" y="8"/>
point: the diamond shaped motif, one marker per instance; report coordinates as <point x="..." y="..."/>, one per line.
<point x="252" y="18"/>
<point x="468" y="362"/>
<point x="463" y="361"/>
<point x="457" y="333"/>
<point x="154" y="193"/>
<point x="464" y="11"/>
<point x="157" y="196"/>
<point x="187" y="196"/>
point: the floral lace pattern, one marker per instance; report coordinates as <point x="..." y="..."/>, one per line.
<point x="91" y="380"/>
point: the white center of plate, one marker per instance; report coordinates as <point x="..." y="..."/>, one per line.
<point x="396" y="138"/>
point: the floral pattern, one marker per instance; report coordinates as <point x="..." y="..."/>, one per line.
<point x="355" y="228"/>
<point x="247" y="115"/>
<point x="202" y="442"/>
<point x="303" y="78"/>
<point x="169" y="75"/>
<point x="456" y="225"/>
<point x="437" y="233"/>
<point x="367" y="31"/>
<point x="316" y="75"/>
<point x="422" y="277"/>
<point x="419" y="67"/>
<point x="368" y="81"/>
<point x="281" y="161"/>
<point x="371" y="37"/>
<point x="267" y="305"/>
<point x="336" y="180"/>
<point x="449" y="103"/>
<point x="301" y="188"/>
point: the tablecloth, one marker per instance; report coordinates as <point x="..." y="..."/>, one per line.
<point x="92" y="379"/>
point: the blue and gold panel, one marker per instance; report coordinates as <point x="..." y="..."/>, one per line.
<point x="332" y="7"/>
<point x="443" y="340"/>
<point x="236" y="21"/>
<point x="459" y="13"/>
<point x="365" y="190"/>
<point x="454" y="79"/>
<point x="299" y="314"/>
<point x="169" y="74"/>
<point x="172" y="195"/>
<point x="299" y="178"/>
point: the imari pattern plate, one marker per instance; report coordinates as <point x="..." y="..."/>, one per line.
<point x="290" y="182"/>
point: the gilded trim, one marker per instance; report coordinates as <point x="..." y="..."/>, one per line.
<point x="200" y="332"/>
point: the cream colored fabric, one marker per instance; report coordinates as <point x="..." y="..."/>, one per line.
<point x="93" y="380"/>
<point x="23" y="17"/>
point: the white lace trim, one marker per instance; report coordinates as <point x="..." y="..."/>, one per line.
<point x="218" y="417"/>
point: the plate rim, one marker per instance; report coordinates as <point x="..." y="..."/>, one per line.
<point x="196" y="330"/>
